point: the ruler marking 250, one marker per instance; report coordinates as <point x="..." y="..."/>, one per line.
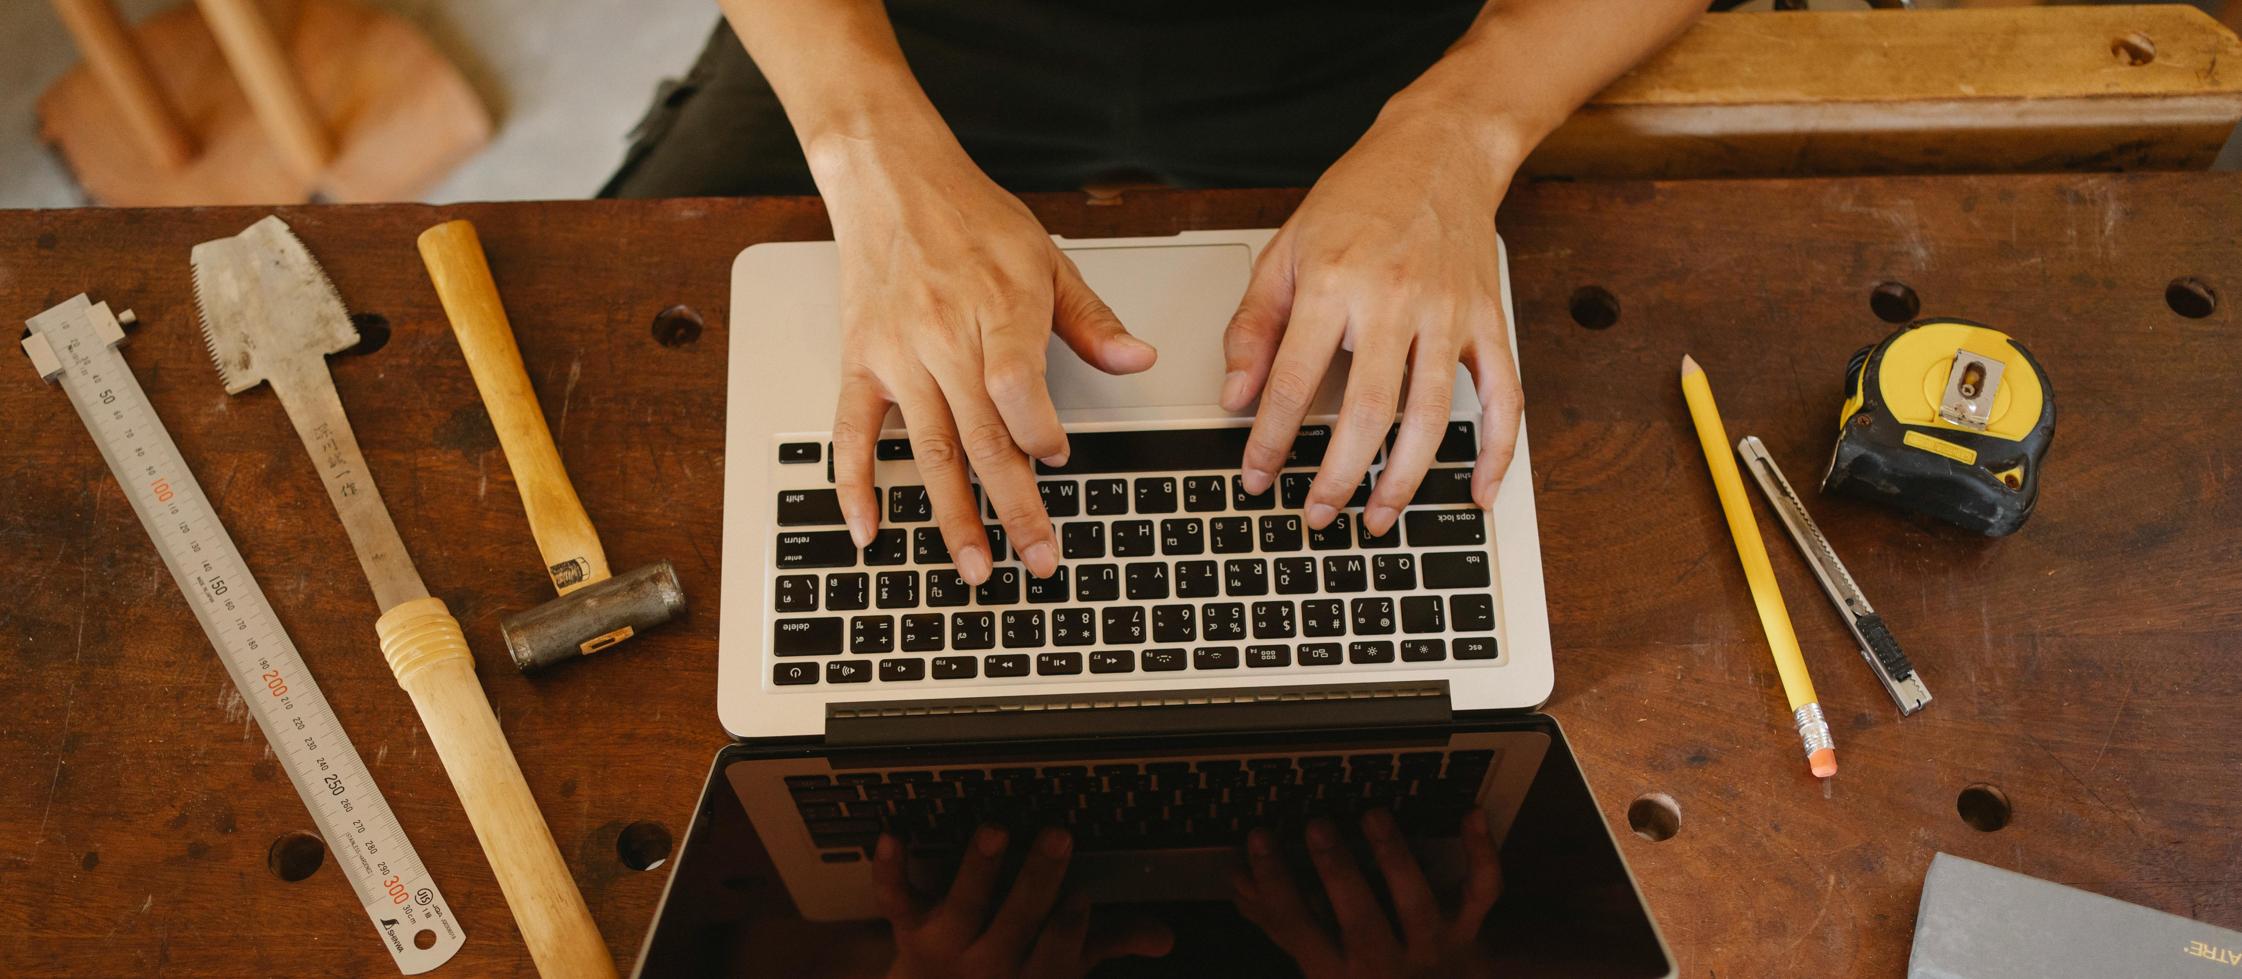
<point x="75" y="342"/>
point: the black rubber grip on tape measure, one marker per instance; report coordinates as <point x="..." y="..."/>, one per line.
<point x="1885" y="647"/>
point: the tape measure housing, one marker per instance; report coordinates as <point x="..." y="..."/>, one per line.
<point x="1962" y="443"/>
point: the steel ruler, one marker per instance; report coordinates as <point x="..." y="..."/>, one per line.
<point x="75" y="343"/>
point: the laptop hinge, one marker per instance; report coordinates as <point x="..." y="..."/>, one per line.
<point x="1312" y="707"/>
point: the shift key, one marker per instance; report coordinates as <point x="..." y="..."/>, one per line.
<point x="809" y="508"/>
<point x="1445" y="528"/>
<point x="818" y="549"/>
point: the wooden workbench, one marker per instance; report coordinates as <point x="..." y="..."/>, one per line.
<point x="2083" y="668"/>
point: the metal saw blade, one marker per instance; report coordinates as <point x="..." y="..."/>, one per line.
<point x="259" y="294"/>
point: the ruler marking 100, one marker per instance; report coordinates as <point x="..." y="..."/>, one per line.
<point x="76" y="340"/>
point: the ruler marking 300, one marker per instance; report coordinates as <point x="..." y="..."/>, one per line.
<point x="75" y="342"/>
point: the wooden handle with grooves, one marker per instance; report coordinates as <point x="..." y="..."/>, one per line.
<point x="115" y="60"/>
<point x="275" y="92"/>
<point x="428" y="653"/>
<point x="454" y="256"/>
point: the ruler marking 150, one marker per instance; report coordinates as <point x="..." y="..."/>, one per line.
<point x="75" y="342"/>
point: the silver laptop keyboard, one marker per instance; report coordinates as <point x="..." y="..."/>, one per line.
<point x="1167" y="566"/>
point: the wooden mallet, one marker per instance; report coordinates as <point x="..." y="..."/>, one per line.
<point x="595" y="609"/>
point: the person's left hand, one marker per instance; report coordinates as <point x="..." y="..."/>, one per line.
<point x="1390" y="256"/>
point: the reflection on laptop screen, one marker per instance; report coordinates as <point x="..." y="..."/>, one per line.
<point x="777" y="876"/>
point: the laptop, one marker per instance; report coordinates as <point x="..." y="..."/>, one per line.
<point x="1202" y="664"/>
<point x="1175" y="584"/>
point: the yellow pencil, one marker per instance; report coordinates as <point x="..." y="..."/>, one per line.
<point x="1813" y="728"/>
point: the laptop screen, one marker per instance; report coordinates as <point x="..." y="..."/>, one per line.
<point x="778" y="874"/>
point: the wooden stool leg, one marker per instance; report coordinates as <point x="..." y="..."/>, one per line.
<point x="275" y="94"/>
<point x="107" y="43"/>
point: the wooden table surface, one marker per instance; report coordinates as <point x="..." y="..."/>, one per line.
<point x="2085" y="667"/>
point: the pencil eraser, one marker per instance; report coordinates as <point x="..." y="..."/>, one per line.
<point x="1823" y="761"/>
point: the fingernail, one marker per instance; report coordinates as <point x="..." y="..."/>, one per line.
<point x="1486" y="497"/>
<point x="973" y="564"/>
<point x="1040" y="559"/>
<point x="1378" y="824"/>
<point x="1234" y="390"/>
<point x="1054" y="460"/>
<point x="1320" y="514"/>
<point x="990" y="840"/>
<point x="1476" y="820"/>
<point x="1255" y="481"/>
<point x="1133" y="343"/>
<point x="1258" y="842"/>
<point x="1321" y="836"/>
<point x="1379" y="519"/>
<point x="860" y="533"/>
<point x="1055" y="843"/>
<point x="885" y="849"/>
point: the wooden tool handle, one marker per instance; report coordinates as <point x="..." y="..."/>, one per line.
<point x="269" y="80"/>
<point x="115" y="60"/>
<point x="454" y="256"/>
<point x="428" y="653"/>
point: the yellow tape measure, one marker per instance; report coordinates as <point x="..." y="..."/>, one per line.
<point x="1946" y="418"/>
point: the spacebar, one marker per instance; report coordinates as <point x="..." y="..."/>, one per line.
<point x="1174" y="450"/>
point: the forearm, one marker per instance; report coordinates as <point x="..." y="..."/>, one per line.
<point x="1524" y="65"/>
<point x="842" y="78"/>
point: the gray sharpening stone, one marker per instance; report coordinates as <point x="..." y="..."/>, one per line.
<point x="1982" y="922"/>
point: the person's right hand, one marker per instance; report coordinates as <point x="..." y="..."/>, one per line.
<point x="957" y="938"/>
<point x="1432" y="942"/>
<point x="950" y="292"/>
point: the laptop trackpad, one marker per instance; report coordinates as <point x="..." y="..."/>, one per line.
<point x="1176" y="297"/>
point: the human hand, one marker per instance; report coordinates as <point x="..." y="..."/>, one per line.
<point x="950" y="292"/>
<point x="1431" y="943"/>
<point x="1024" y="940"/>
<point x="1390" y="256"/>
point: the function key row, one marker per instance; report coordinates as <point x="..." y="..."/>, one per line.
<point x="1161" y="660"/>
<point x="1170" y="450"/>
<point x="850" y="591"/>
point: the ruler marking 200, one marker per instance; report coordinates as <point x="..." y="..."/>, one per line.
<point x="76" y="340"/>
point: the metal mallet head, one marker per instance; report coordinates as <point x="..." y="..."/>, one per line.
<point x="594" y="617"/>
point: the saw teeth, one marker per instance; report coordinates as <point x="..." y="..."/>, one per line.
<point x="202" y="322"/>
<point x="210" y="343"/>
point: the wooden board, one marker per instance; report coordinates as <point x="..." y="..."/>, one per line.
<point x="2084" y="667"/>
<point x="2044" y="88"/>
<point x="401" y="116"/>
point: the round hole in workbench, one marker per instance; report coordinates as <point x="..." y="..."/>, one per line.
<point x="677" y="326"/>
<point x="1894" y="302"/>
<point x="1984" y="807"/>
<point x="295" y="856"/>
<point x="1594" y="307"/>
<point x="1655" y="817"/>
<point x="2191" y="297"/>
<point x="644" y="845"/>
<point x="373" y="333"/>
<point x="2134" y="50"/>
<point x="424" y="939"/>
